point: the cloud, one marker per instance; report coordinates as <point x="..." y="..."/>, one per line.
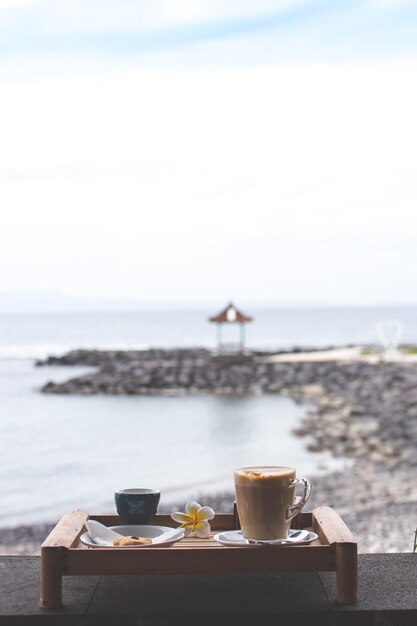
<point x="209" y="10"/>
<point x="85" y="34"/>
<point x="390" y="4"/>
<point x="106" y="15"/>
<point x="127" y="179"/>
<point x="152" y="182"/>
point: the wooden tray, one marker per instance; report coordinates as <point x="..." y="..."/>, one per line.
<point x="64" y="555"/>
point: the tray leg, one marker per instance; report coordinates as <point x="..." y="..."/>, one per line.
<point x="51" y="578"/>
<point x="346" y="573"/>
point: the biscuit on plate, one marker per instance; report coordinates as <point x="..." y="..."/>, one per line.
<point x="132" y="541"/>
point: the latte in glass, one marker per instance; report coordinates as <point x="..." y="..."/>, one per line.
<point x="266" y="502"/>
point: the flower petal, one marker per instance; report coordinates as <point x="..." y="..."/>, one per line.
<point x="203" y="530"/>
<point x="187" y="530"/>
<point x="206" y="512"/>
<point x="182" y="518"/>
<point x="192" y="507"/>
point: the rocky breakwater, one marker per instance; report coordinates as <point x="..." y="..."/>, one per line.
<point x="355" y="409"/>
<point x="362" y="410"/>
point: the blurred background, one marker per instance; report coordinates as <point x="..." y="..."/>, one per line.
<point x="159" y="158"/>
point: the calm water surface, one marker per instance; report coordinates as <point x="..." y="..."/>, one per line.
<point x="64" y="452"/>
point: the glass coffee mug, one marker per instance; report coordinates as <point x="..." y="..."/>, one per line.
<point x="266" y="501"/>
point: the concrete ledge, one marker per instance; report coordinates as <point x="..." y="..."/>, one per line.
<point x="388" y="596"/>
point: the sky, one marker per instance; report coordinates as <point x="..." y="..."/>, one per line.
<point x="185" y="152"/>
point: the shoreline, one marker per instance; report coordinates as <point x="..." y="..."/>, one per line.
<point x="362" y="409"/>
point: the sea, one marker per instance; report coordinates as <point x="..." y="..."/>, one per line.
<point x="64" y="452"/>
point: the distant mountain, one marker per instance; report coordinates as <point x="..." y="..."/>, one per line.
<point x="55" y="302"/>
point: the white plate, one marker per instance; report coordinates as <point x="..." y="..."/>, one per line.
<point x="236" y="538"/>
<point x="160" y="535"/>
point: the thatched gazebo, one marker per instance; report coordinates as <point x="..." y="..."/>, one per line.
<point x="230" y="315"/>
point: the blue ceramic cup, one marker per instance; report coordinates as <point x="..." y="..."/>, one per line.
<point x="137" y="506"/>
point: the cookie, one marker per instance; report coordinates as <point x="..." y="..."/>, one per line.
<point x="132" y="541"/>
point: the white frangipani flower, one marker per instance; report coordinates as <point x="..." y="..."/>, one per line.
<point x="195" y="519"/>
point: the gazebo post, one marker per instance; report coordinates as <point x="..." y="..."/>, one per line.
<point x="230" y="315"/>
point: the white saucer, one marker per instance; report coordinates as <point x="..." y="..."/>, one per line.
<point x="236" y="538"/>
<point x="160" y="535"/>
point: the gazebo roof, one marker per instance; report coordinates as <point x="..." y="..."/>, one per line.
<point x="230" y="315"/>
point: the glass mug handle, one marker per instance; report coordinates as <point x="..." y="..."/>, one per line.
<point x="299" y="501"/>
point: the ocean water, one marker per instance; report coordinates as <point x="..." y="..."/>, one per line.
<point x="64" y="452"/>
<point x="35" y="335"/>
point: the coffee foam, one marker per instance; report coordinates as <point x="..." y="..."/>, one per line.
<point x="254" y="475"/>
